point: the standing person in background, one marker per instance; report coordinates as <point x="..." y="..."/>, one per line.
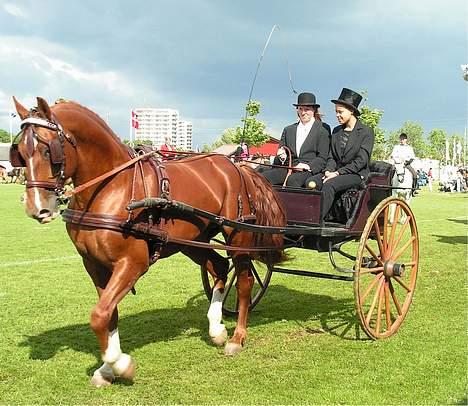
<point x="167" y="147"/>
<point x="405" y="153"/>
<point x="429" y="179"/>
<point x="309" y="142"/>
<point x="350" y="151"/>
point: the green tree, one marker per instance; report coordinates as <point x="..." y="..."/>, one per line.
<point x="4" y="136"/>
<point x="415" y="134"/>
<point x="138" y="142"/>
<point x="372" y="117"/>
<point x="252" y="131"/>
<point x="436" y="146"/>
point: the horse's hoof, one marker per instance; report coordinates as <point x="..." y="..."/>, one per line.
<point x="220" y="339"/>
<point x="125" y="367"/>
<point x="232" y="349"/>
<point x="99" y="381"/>
<point x="129" y="373"/>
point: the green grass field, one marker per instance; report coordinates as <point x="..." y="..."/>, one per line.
<point x="293" y="354"/>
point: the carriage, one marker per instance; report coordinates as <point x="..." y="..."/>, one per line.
<point x="384" y="266"/>
<point x="129" y="210"/>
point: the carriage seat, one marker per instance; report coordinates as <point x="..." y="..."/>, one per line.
<point x="345" y="204"/>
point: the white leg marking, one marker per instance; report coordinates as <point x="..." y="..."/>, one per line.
<point x="215" y="314"/>
<point x="118" y="361"/>
<point x="113" y="351"/>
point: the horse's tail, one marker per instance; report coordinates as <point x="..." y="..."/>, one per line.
<point x="269" y="212"/>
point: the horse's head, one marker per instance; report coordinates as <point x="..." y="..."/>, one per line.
<point x="41" y="149"/>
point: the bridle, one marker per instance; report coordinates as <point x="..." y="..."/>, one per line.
<point x="55" y="148"/>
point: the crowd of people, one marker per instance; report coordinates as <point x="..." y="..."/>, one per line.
<point x="453" y="179"/>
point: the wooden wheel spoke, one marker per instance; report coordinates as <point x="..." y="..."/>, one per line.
<point x="388" y="318"/>
<point x="378" y="238"/>
<point x="395" y="299"/>
<point x="370" y="287"/>
<point x="393" y="228"/>
<point x="400" y="233"/>
<point x="385" y="228"/>
<point x="403" y="285"/>
<point x="396" y="255"/>
<point x="371" y="270"/>
<point x="374" y="255"/>
<point x="379" y="307"/>
<point x="374" y="301"/>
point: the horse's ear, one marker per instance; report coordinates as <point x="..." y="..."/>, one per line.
<point x="44" y="108"/>
<point x="20" y="109"/>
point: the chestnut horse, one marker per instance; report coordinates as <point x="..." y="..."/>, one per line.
<point x="66" y="141"/>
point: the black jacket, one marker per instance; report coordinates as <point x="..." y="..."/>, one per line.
<point x="314" y="151"/>
<point x="356" y="156"/>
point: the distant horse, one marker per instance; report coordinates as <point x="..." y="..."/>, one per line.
<point x="68" y="140"/>
<point x="402" y="182"/>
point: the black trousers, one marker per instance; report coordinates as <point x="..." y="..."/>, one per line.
<point x="276" y="176"/>
<point x="331" y="187"/>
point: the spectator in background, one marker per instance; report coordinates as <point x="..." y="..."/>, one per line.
<point x="429" y="179"/>
<point x="167" y="148"/>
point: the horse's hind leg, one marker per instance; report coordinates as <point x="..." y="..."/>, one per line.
<point x="218" y="267"/>
<point x="245" y="281"/>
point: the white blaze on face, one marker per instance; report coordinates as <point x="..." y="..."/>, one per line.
<point x="36" y="196"/>
<point x="215" y="313"/>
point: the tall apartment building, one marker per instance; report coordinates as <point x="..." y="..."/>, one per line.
<point x="156" y="124"/>
<point x="184" y="135"/>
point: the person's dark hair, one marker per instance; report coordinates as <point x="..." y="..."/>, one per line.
<point x="403" y="136"/>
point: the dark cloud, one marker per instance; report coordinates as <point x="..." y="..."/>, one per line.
<point x="200" y="57"/>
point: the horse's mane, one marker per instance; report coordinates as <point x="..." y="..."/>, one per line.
<point x="62" y="104"/>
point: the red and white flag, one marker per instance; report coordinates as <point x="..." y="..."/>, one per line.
<point x="135" y="123"/>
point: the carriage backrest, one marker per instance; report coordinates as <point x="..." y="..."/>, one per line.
<point x="381" y="172"/>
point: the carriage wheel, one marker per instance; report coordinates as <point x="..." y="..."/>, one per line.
<point x="262" y="275"/>
<point x="386" y="268"/>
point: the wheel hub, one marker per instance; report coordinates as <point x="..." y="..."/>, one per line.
<point x="393" y="269"/>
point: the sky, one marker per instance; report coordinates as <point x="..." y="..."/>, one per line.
<point x="200" y="57"/>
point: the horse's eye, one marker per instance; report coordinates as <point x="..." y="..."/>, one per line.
<point x="46" y="154"/>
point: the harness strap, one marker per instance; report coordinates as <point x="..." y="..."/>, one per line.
<point x="143" y="230"/>
<point x="107" y="174"/>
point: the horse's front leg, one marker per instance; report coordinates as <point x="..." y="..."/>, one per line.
<point x="244" y="285"/>
<point x="104" y="318"/>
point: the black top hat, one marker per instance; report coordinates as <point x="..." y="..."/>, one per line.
<point x="306" y="99"/>
<point x="349" y="98"/>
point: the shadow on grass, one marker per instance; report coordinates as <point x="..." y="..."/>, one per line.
<point x="447" y="239"/>
<point x="137" y="330"/>
<point x="461" y="221"/>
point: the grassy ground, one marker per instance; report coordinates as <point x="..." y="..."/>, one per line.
<point x="293" y="354"/>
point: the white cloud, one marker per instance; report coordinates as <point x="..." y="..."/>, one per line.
<point x="14" y="10"/>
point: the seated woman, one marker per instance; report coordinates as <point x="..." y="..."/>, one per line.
<point x="350" y="151"/>
<point x="308" y="141"/>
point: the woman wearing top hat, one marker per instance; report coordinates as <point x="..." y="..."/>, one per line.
<point x="350" y="151"/>
<point x="309" y="143"/>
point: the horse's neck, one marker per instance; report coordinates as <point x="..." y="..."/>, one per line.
<point x="98" y="150"/>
